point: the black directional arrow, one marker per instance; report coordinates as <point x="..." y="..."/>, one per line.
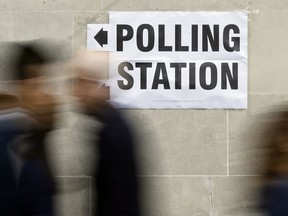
<point x="101" y="37"/>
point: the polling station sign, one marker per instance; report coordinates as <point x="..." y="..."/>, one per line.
<point x="175" y="59"/>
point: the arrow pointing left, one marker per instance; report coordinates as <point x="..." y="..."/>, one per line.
<point x="101" y="37"/>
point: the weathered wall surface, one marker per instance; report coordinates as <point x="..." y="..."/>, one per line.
<point x="195" y="162"/>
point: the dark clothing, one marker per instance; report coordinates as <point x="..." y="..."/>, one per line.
<point x="35" y="190"/>
<point x="8" y="185"/>
<point x="116" y="174"/>
<point x="10" y="127"/>
<point x="275" y="197"/>
<point x="28" y="189"/>
<point x="38" y="155"/>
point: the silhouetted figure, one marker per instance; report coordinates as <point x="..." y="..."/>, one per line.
<point x="34" y="182"/>
<point x="10" y="126"/>
<point x="116" y="171"/>
<point x="275" y="180"/>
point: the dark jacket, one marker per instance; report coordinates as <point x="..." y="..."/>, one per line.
<point x="116" y="175"/>
<point x="28" y="189"/>
<point x="275" y="197"/>
<point x="9" y="129"/>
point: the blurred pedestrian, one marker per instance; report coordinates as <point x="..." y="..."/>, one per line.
<point x="10" y="127"/>
<point x="116" y="172"/>
<point x="34" y="181"/>
<point x="275" y="180"/>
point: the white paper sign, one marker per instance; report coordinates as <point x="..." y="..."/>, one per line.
<point x="175" y="59"/>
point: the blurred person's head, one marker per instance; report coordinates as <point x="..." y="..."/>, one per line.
<point x="277" y="161"/>
<point x="29" y="63"/>
<point x="29" y="67"/>
<point x="90" y="69"/>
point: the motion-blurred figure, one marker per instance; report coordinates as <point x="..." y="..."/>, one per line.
<point x="275" y="184"/>
<point x="28" y="124"/>
<point x="10" y="127"/>
<point x="116" y="172"/>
